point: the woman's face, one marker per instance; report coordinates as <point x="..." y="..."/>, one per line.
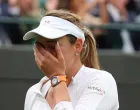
<point x="68" y="50"/>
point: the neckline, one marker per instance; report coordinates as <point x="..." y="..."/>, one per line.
<point x="73" y="81"/>
<point x="78" y="74"/>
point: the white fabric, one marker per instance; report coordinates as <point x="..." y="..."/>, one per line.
<point x="53" y="27"/>
<point x="90" y="89"/>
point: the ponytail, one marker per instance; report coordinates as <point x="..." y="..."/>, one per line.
<point x="89" y="53"/>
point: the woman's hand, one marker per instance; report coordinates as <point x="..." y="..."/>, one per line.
<point x="49" y="64"/>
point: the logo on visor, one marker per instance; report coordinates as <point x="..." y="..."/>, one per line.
<point x="46" y="22"/>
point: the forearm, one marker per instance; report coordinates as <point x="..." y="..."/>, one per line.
<point x="60" y="93"/>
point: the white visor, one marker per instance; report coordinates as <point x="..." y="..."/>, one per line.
<point x="53" y="27"/>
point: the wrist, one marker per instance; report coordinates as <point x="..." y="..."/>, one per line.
<point x="57" y="74"/>
<point x="55" y="80"/>
<point x="60" y="93"/>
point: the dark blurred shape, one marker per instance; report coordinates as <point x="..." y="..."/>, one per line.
<point x="133" y="5"/>
<point x="11" y="30"/>
<point x="16" y="9"/>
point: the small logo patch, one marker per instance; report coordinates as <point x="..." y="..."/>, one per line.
<point x="97" y="90"/>
<point x="46" y="22"/>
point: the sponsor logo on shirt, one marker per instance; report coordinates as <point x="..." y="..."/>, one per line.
<point x="97" y="89"/>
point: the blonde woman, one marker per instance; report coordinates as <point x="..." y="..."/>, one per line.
<point x="65" y="51"/>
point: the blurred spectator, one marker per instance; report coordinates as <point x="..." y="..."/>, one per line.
<point x="28" y="7"/>
<point x="16" y="9"/>
<point x="119" y="14"/>
<point x="133" y="7"/>
<point x="9" y="9"/>
<point x="4" y="39"/>
<point x="119" y="11"/>
<point x="80" y="7"/>
<point x="98" y="10"/>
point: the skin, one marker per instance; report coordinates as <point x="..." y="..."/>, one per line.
<point x="51" y="4"/>
<point x="13" y="3"/>
<point x="27" y="6"/>
<point x="58" y="57"/>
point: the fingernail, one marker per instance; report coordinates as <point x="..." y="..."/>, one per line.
<point x="57" y="43"/>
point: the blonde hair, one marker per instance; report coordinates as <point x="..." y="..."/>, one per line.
<point x="88" y="55"/>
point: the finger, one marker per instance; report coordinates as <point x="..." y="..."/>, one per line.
<point x="44" y="54"/>
<point x="41" y="49"/>
<point x="37" y="60"/>
<point x="39" y="64"/>
<point x="38" y="54"/>
<point x="51" y="58"/>
<point x="59" y="52"/>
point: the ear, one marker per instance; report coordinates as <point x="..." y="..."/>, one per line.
<point x="78" y="45"/>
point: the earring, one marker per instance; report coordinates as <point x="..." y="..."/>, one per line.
<point x="76" y="54"/>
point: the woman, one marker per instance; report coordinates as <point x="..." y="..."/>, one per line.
<point x="65" y="51"/>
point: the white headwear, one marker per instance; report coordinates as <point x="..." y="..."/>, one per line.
<point x="54" y="27"/>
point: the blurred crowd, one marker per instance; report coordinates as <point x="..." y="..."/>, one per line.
<point x="92" y="12"/>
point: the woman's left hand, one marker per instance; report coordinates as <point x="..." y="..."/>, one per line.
<point x="49" y="64"/>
